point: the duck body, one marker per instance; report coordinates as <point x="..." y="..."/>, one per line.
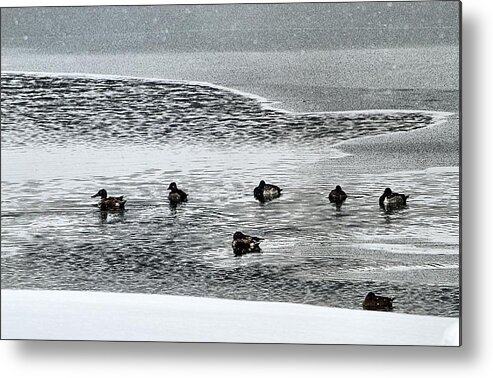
<point x="337" y="195"/>
<point x="375" y="302"/>
<point x="109" y="203"/>
<point x="243" y="244"/>
<point x="392" y="199"/>
<point x="266" y="192"/>
<point x="176" y="195"/>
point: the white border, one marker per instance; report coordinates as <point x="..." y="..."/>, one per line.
<point x="39" y="359"/>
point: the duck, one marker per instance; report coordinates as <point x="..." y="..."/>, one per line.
<point x="245" y="244"/>
<point x="392" y="199"/>
<point x="375" y="302"/>
<point x="109" y="203"/>
<point x="337" y="195"/>
<point x="176" y="195"/>
<point x="266" y="192"/>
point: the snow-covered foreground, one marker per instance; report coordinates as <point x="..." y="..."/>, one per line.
<point x="72" y="315"/>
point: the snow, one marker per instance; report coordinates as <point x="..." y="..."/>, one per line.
<point x="77" y="315"/>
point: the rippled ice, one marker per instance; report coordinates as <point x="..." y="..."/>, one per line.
<point x="65" y="137"/>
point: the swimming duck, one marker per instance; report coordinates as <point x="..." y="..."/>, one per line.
<point x="375" y="302"/>
<point x="337" y="195"/>
<point x="392" y="199"/>
<point x="109" y="203"/>
<point x="266" y="192"/>
<point x="176" y="195"/>
<point x="245" y="244"/>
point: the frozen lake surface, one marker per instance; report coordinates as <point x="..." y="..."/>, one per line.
<point x="66" y="136"/>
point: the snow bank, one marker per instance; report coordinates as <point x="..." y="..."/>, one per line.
<point x="73" y="315"/>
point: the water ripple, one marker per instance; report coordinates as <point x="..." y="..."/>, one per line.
<point x="42" y="109"/>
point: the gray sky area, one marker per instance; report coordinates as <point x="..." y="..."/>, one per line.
<point x="231" y="27"/>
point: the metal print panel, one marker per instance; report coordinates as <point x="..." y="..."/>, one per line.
<point x="247" y="173"/>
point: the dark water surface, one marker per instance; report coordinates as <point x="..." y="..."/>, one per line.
<point x="65" y="137"/>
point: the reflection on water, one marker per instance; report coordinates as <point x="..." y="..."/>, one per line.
<point x="314" y="252"/>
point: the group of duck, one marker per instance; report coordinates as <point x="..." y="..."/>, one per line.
<point x="118" y="203"/>
<point x="243" y="244"/>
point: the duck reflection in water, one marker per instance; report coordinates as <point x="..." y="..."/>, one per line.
<point x="110" y="217"/>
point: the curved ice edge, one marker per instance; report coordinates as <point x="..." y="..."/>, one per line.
<point x="439" y="118"/>
<point x="92" y="315"/>
<point x="266" y="104"/>
<point x="404" y="268"/>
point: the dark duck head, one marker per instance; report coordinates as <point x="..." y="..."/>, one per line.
<point x="102" y="193"/>
<point x="238" y="235"/>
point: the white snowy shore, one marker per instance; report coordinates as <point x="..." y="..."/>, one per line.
<point x="74" y="315"/>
